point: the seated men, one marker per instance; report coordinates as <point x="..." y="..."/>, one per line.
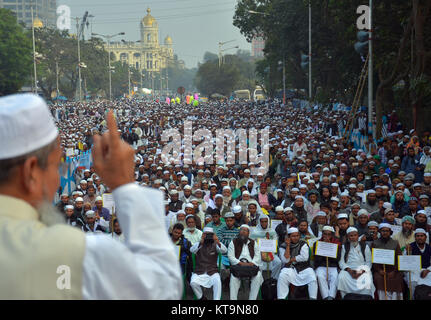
<point x="244" y="252"/>
<point x="327" y="268"/>
<point x="420" y="248"/>
<point x="206" y="272"/>
<point x="355" y="264"/>
<point x="295" y="255"/>
<point x="269" y="260"/>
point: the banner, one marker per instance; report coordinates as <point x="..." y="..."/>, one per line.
<point x="68" y="167"/>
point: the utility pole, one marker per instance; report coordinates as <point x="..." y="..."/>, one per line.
<point x="371" y="127"/>
<point x="79" y="59"/>
<point x="34" y="52"/>
<point x="56" y="71"/>
<point x="284" y="81"/>
<point x="309" y="52"/>
<point x="129" y="80"/>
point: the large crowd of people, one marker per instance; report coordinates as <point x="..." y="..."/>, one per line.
<point x="317" y="187"/>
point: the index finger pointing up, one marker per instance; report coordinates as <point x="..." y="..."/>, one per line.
<point x="114" y="136"/>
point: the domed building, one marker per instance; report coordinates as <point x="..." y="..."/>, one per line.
<point x="147" y="54"/>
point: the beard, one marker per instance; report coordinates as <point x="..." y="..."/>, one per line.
<point x="243" y="239"/>
<point x="407" y="232"/>
<point x="371" y="202"/>
<point x="49" y="215"/>
<point x="226" y="201"/>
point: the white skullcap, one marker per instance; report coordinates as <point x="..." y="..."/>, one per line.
<point x="83" y="181"/>
<point x="302" y="186"/>
<point x="79" y="199"/>
<point x="351" y="229"/>
<point x="384" y="225"/>
<point x="208" y="230"/>
<point x="174" y="191"/>
<point x="335" y="199"/>
<point x="321" y="214"/>
<point x="99" y="198"/>
<point x="226" y="188"/>
<point x="90" y="214"/>
<point x="420" y="230"/>
<point x="342" y="216"/>
<point x="245" y="226"/>
<point x="237" y="209"/>
<point x="26" y="125"/>
<point x="287" y="209"/>
<point x="189" y="205"/>
<point x="246" y="193"/>
<point x="184" y="178"/>
<point x="292" y="230"/>
<point x="362" y="212"/>
<point x="187" y="187"/>
<point x="279" y="208"/>
<point x="69" y="206"/>
<point x="229" y="215"/>
<point x="180" y="212"/>
<point x="218" y="196"/>
<point x="328" y="228"/>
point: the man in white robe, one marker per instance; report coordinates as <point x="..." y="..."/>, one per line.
<point x="192" y="233"/>
<point x="295" y="255"/>
<point x="355" y="275"/>
<point x="239" y="251"/>
<point x="206" y="274"/>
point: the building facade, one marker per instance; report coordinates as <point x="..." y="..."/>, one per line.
<point x="146" y="54"/>
<point x="44" y="11"/>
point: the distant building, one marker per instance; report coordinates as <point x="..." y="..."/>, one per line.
<point x="257" y="46"/>
<point x="44" y="11"/>
<point x="148" y="54"/>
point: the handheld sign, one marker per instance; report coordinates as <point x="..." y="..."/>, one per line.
<point x="396" y="229"/>
<point x="383" y="256"/>
<point x="70" y="152"/>
<point x="326" y="249"/>
<point x="108" y="202"/>
<point x="311" y="242"/>
<point x="275" y="223"/>
<point x="409" y="263"/>
<point x="266" y="245"/>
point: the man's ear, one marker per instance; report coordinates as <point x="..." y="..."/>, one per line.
<point x="29" y="175"/>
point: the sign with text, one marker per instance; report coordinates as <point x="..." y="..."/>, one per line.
<point x="395" y="229"/>
<point x="326" y="249"/>
<point x="108" y="202"/>
<point x="266" y="245"/>
<point x="409" y="263"/>
<point x="383" y="256"/>
<point x="275" y="223"/>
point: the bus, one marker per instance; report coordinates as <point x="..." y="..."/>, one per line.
<point x="242" y="94"/>
<point x="258" y="94"/>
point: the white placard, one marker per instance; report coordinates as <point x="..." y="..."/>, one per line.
<point x="396" y="229"/>
<point x="399" y="221"/>
<point x="266" y="245"/>
<point x="326" y="249"/>
<point x="275" y="223"/>
<point x="428" y="211"/>
<point x="108" y="202"/>
<point x="409" y="263"/>
<point x="383" y="256"/>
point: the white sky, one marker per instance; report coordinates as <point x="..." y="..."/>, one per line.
<point x="195" y="26"/>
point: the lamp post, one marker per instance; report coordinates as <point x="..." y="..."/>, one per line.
<point x="221" y="52"/>
<point x="220" y="44"/>
<point x="371" y="127"/>
<point x="108" y="38"/>
<point x="309" y="51"/>
<point x="34" y="52"/>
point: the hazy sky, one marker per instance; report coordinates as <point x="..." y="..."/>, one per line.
<point x="195" y="26"/>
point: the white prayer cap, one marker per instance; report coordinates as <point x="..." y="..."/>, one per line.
<point x="421" y="212"/>
<point x="420" y="230"/>
<point x="292" y="230"/>
<point x="236" y="209"/>
<point x="190" y="216"/>
<point x="351" y="229"/>
<point x="335" y="199"/>
<point x="342" y="216"/>
<point x="352" y="186"/>
<point x="218" y="195"/>
<point x="187" y="187"/>
<point x="181" y="212"/>
<point x="384" y="225"/>
<point x="99" y="198"/>
<point x="189" y="205"/>
<point x="334" y="184"/>
<point x="287" y="209"/>
<point x="246" y="171"/>
<point x="69" y="206"/>
<point x="174" y="191"/>
<point x="83" y="182"/>
<point x="387" y="205"/>
<point x="279" y="208"/>
<point x="245" y="226"/>
<point x="184" y="178"/>
<point x="321" y="214"/>
<point x="362" y="212"/>
<point x="79" y="199"/>
<point x="229" y="215"/>
<point x="208" y="230"/>
<point x="328" y="228"/>
<point x="388" y="210"/>
<point x="90" y="214"/>
<point x="226" y="188"/>
<point x="26" y="125"/>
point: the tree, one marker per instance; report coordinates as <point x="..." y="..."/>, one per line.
<point x="15" y="53"/>
<point x="120" y="78"/>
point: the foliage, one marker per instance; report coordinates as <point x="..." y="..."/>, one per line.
<point x="15" y="53"/>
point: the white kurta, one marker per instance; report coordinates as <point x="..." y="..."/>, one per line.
<point x="193" y="237"/>
<point x="364" y="284"/>
<point x="145" y="265"/>
<point x="298" y="278"/>
<point x="205" y="280"/>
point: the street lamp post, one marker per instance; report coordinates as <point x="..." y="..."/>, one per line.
<point x="309" y="51"/>
<point x="220" y="44"/>
<point x="372" y="128"/>
<point x="34" y="52"/>
<point x="108" y="38"/>
<point x="79" y="59"/>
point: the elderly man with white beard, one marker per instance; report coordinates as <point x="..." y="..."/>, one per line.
<point x="34" y="235"/>
<point x="244" y="252"/>
<point x="406" y="235"/>
<point x="295" y="255"/>
<point x="355" y="264"/>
